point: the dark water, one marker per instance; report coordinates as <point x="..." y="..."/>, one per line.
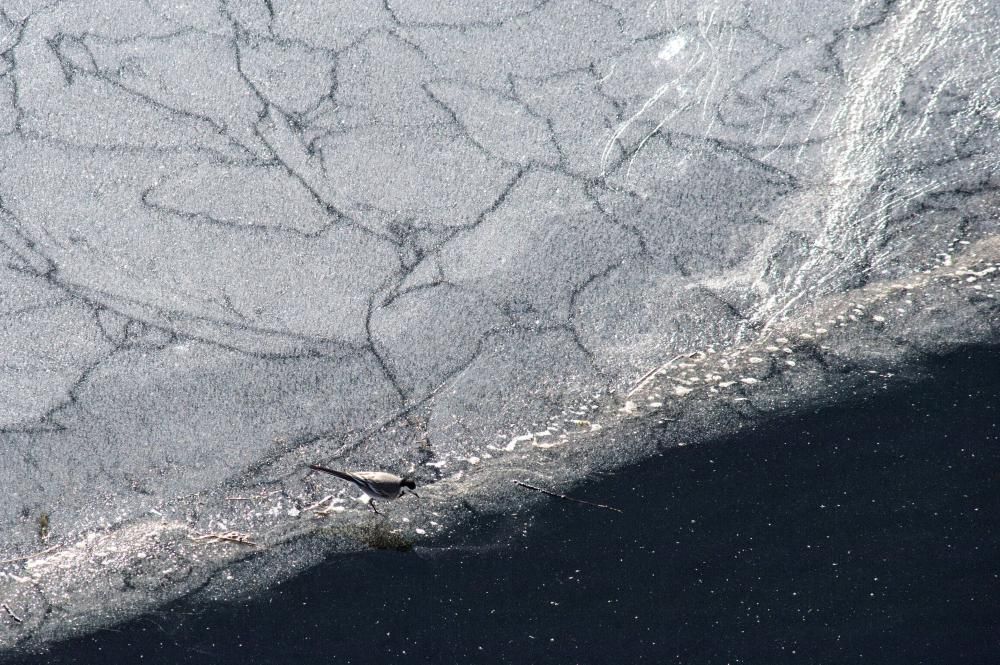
<point x="863" y="533"/>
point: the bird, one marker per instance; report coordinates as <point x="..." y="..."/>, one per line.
<point x="376" y="484"/>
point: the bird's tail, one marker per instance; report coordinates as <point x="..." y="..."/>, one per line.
<point x="339" y="474"/>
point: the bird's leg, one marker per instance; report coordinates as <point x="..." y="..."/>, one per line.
<point x="371" y="504"/>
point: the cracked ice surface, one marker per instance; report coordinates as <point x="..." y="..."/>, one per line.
<point x="239" y="237"/>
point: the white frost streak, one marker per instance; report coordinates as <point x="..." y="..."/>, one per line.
<point x="672" y="91"/>
<point x="868" y="125"/>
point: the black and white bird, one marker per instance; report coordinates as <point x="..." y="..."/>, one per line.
<point x="376" y="484"/>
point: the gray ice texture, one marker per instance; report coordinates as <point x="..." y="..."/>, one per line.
<point x="469" y="241"/>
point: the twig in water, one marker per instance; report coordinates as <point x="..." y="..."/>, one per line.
<point x="9" y="611"/>
<point x="648" y="376"/>
<point x="29" y="556"/>
<point x="564" y="497"/>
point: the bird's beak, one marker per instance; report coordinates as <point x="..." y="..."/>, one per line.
<point x="414" y="494"/>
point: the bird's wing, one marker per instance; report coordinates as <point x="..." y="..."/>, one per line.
<point x="377" y="477"/>
<point x="385" y="485"/>
<point x="377" y="484"/>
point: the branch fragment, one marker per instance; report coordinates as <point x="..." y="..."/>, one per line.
<point x="228" y="537"/>
<point x="564" y="497"/>
<point x="9" y="611"/>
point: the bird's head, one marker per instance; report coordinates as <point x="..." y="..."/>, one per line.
<point x="411" y="485"/>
